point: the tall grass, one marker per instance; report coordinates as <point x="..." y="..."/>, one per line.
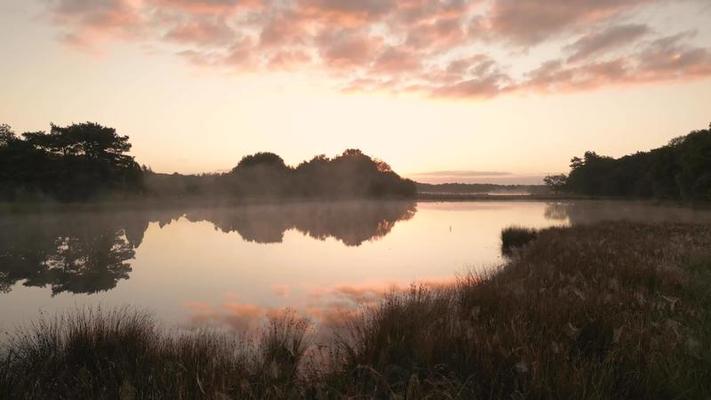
<point x="122" y="353"/>
<point x="515" y="237"/>
<point x="615" y="311"/>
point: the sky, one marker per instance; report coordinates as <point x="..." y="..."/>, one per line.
<point x="502" y="91"/>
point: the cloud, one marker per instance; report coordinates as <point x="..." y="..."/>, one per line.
<point x="89" y="21"/>
<point x="529" y="22"/>
<point x="664" y="59"/>
<point x="599" y="42"/>
<point x="463" y="173"/>
<point x="220" y="7"/>
<point x="347" y="48"/>
<point x="394" y="60"/>
<point x="345" y="12"/>
<point x="442" y="48"/>
<point x="202" y="31"/>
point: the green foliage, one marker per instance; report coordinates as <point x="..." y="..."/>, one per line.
<point x="679" y="170"/>
<point x="75" y="162"/>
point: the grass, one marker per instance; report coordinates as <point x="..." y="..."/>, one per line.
<point x="515" y="237"/>
<point x="609" y="311"/>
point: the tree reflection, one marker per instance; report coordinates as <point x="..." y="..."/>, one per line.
<point x="588" y="212"/>
<point x="89" y="264"/>
<point x="69" y="252"/>
<point x="350" y="222"/>
<point x="89" y="252"/>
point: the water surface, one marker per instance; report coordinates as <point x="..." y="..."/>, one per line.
<point x="231" y="266"/>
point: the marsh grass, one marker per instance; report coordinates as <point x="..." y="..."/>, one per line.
<point x="122" y="353"/>
<point x="609" y="311"/>
<point x="515" y="237"/>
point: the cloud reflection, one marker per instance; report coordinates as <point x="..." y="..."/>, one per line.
<point x="329" y="307"/>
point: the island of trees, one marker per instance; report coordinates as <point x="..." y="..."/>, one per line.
<point x="680" y="170"/>
<point x="87" y="160"/>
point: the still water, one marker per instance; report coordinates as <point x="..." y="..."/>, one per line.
<point x="230" y="267"/>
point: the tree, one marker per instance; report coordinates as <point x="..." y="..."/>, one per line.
<point x="6" y="134"/>
<point x="70" y="163"/>
<point x="268" y="160"/>
<point x="678" y="170"/>
<point x="556" y="182"/>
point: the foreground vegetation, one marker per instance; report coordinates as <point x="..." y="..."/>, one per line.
<point x="608" y="311"/>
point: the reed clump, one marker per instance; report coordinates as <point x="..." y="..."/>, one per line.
<point x="515" y="237"/>
<point x="607" y="311"/>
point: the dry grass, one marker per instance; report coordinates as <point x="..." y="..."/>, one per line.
<point x="610" y="311"/>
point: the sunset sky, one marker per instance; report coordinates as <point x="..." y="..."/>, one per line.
<point x="472" y="91"/>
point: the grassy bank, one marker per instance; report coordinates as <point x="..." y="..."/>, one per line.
<point x="610" y="311"/>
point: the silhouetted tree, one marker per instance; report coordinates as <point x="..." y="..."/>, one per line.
<point x="83" y="161"/>
<point x="352" y="174"/>
<point x="6" y="134"/>
<point x="555" y="182"/>
<point x="264" y="160"/>
<point x="681" y="170"/>
<point x="70" y="163"/>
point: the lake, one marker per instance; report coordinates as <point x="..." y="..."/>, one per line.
<point x="231" y="266"/>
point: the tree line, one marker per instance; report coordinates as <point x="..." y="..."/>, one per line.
<point x="351" y="174"/>
<point x="679" y="170"/>
<point x="87" y="160"/>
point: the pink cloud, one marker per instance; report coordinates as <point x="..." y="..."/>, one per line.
<point x="528" y="22"/>
<point x="393" y="60"/>
<point x="345" y="12"/>
<point x="613" y="37"/>
<point x="664" y="59"/>
<point x="201" y="31"/>
<point x="88" y="22"/>
<point x="432" y="47"/>
<point x="220" y="7"/>
<point x="347" y="48"/>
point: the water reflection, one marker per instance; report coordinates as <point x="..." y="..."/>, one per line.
<point x="191" y="268"/>
<point x="89" y="252"/>
<point x="587" y="212"/>
<point x="83" y="253"/>
<point x="350" y="222"/>
<point x="331" y="307"/>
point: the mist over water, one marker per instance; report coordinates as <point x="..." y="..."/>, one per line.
<point x="231" y="266"/>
